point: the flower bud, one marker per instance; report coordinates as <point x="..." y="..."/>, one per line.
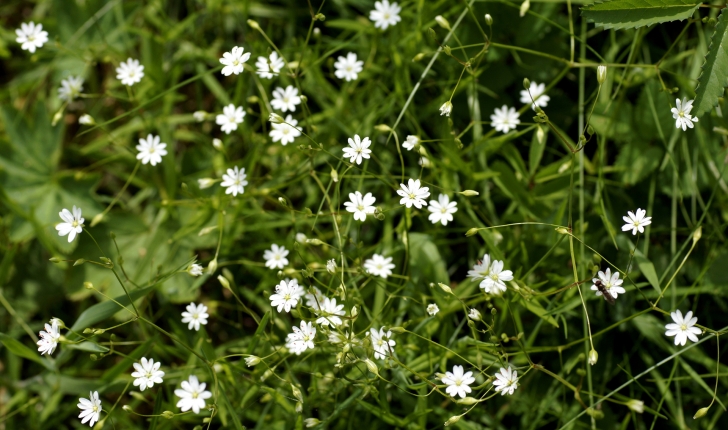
<point x="217" y="144"/>
<point x="701" y="413"/>
<point x="601" y="74"/>
<point x="596" y="414"/>
<point x="382" y="128"/>
<point x="562" y="230"/>
<point x="199" y="115"/>
<point x="372" y="366"/>
<point x="168" y="414"/>
<point x="593" y="357"/>
<point x="469" y="193"/>
<point x="79" y="262"/>
<point x="314" y="242"/>
<point x="452" y="420"/>
<point x="225" y="283"/>
<point x="57" y="117"/>
<point x="526" y="84"/>
<point x="474" y="315"/>
<point x="88" y="285"/>
<point x="488" y="20"/>
<point x="275" y="118"/>
<point x="697" y="234"/>
<point x="297" y="393"/>
<point x="636" y="405"/>
<point x="252" y="360"/>
<point x="354" y="311"/>
<point x="444" y="288"/>
<point x="442" y="22"/>
<point x="472" y="231"/>
<point x="540" y="135"/>
<point x="202" y="183"/>
<point x="320" y="17"/>
<point x="467" y="401"/>
<point x="253" y="24"/>
<point x="524" y="8"/>
<point x="418" y="57"/>
<point x="311" y="422"/>
<point x="398" y="330"/>
<point x="86" y="119"/>
<point x="212" y="266"/>
<point x="446" y="108"/>
<point x="331" y="266"/>
<point x="334" y="175"/>
<point x="299" y="407"/>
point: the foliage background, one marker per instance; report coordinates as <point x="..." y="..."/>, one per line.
<point x="635" y="159"/>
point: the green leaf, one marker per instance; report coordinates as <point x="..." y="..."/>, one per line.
<point x="638" y="13"/>
<point x="89" y="347"/>
<point x="537" y="309"/>
<point x="104" y="310"/>
<point x="648" y="269"/>
<point x="17" y="348"/>
<point x="426" y="261"/>
<point x="714" y="79"/>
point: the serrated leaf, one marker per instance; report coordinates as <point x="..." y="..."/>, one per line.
<point x="714" y="79"/>
<point x="619" y="14"/>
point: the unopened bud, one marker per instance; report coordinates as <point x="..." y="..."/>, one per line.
<point x="467" y="401"/>
<point x="701" y="413"/>
<point x="372" y="366"/>
<point x="398" y="330"/>
<point x="444" y="288"/>
<point x="469" y="193"/>
<point x="57" y="117"/>
<point x="593" y="357"/>
<point x="225" y="283"/>
<point x="275" y="118"/>
<point x="217" y="144"/>
<point x="488" y="20"/>
<point x="316" y="242"/>
<point x="127" y="408"/>
<point x="562" y="230"/>
<point x="311" y="422"/>
<point x="86" y="119"/>
<point x="596" y="414"/>
<point x="205" y="183"/>
<point x="697" y="234"/>
<point x="474" y="315"/>
<point x="320" y="17"/>
<point x="447" y="50"/>
<point x="636" y="405"/>
<point x="79" y="262"/>
<point x="334" y="175"/>
<point x="472" y="231"/>
<point x="452" y="420"/>
<point x="526" y="84"/>
<point x="540" y="135"/>
<point x="354" y="311"/>
<point x="88" y="285"/>
<point x="168" y="414"/>
<point x="442" y="22"/>
<point x="601" y="74"/>
<point x="383" y="128"/>
<point x="418" y="57"/>
<point x="252" y="360"/>
<point x="282" y="201"/>
<point x="297" y="393"/>
<point x="253" y="24"/>
<point x="299" y="407"/>
<point x="524" y="8"/>
<point x="212" y="266"/>
<point x="55" y="260"/>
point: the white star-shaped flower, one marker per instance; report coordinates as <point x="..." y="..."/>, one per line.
<point x="358" y="148"/>
<point x="194" y="316"/>
<point x="379" y="266"/>
<point x="681" y="114"/>
<point x="494" y="283"/>
<point x="441" y="210"/>
<point x="385" y="14"/>
<point x="302" y="338"/>
<point x="481" y="269"/>
<point x="71" y="88"/>
<point x="636" y="222"/>
<point x="381" y="342"/>
<point x="505" y="119"/>
<point x="474" y="314"/>
<point x="432" y="309"/>
<point x="285" y="132"/>
<point x="90" y="409"/>
<point x="285" y="99"/>
<point x="72" y="223"/>
<point x="413" y="194"/>
<point x="275" y="257"/>
<point x="230" y="118"/>
<point x="446" y="108"/>
<point x="130" y="72"/>
<point x="348" y="67"/>
<point x="287" y="294"/>
<point x="610" y="281"/>
<point x="31" y="36"/>
<point x="234" y="60"/>
<point x="234" y="181"/>
<point x="49" y="338"/>
<point x="458" y="382"/>
<point x="195" y="270"/>
<point x="268" y="67"/>
<point x="360" y="205"/>
<point x="411" y="142"/>
<point x="537" y="92"/>
<point x="315" y="298"/>
<point x="506" y="381"/>
<point x="683" y="328"/>
<point x="147" y="374"/>
<point x="329" y="313"/>
<point x="151" y="150"/>
<point x="192" y="395"/>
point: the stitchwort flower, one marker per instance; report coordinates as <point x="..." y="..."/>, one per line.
<point x="285" y="132"/>
<point x="348" y="68"/>
<point x="72" y="225"/>
<point x="360" y="205"/>
<point x="90" y="408"/>
<point x="195" y="315"/>
<point x="31" y="36"/>
<point x="683" y="328"/>
<point x="130" y="72"/>
<point x="151" y="150"/>
<point x="413" y="194"/>
<point x="275" y="257"/>
<point x="234" y="60"/>
<point x="287" y="294"/>
<point x="230" y="118"/>
<point x="441" y="210"/>
<point x="268" y="67"/>
<point x="432" y="309"/>
<point x="610" y="281"/>
<point x="535" y="91"/>
<point x="330" y="312"/>
<point x="505" y="119"/>
<point x="458" y="382"/>
<point x="411" y="142"/>
<point x="381" y="342"/>
<point x="234" y="181"/>
<point x="192" y="395"/>
<point x="506" y="381"/>
<point x="379" y="266"/>
<point x="285" y="99"/>
<point x="681" y="114"/>
<point x="71" y="88"/>
<point x="636" y="222"/>
<point x="385" y="14"/>
<point x="358" y="148"/>
<point x="302" y="338"/>
<point x="147" y="374"/>
<point x="49" y="338"/>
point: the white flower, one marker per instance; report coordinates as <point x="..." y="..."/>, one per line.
<point x="267" y="67"/>
<point x="683" y="328"/>
<point x="330" y="312"/>
<point x="413" y="194"/>
<point x="385" y="14"/>
<point x="234" y="181"/>
<point x="331" y="266"/>
<point x="360" y="205"/>
<point x="86" y="119"/>
<point x="505" y="119"/>
<point x="348" y="67"/>
<point x="217" y="144"/>
<point x="130" y="73"/>
<point x="72" y="225"/>
<point x="506" y="381"/>
<point x="311" y="422"/>
<point x="151" y="150"/>
<point x="286" y="131"/>
<point x="610" y="281"/>
<point x="314" y="299"/>
<point x="230" y="118"/>
<point x="601" y="74"/>
<point x="192" y="395"/>
<point x="49" y="338"/>
<point x="195" y="315"/>
<point x="195" y="270"/>
<point x="147" y="374"/>
<point x="90" y="409"/>
<point x="432" y="309"/>
<point x="446" y="108"/>
<point x="681" y="114"/>
<point x="358" y="148"/>
<point x="474" y="315"/>
<point x="494" y="282"/>
<point x="424" y="162"/>
<point x="411" y="142"/>
<point x="301" y="238"/>
<point x="537" y="92"/>
<point x="275" y="257"/>
<point x="204" y="183"/>
<point x="636" y="222"/>
<point x="285" y="100"/>
<point x="71" y="87"/>
<point x="301" y="339"/>
<point x="234" y="60"/>
<point x="481" y="269"/>
<point x="199" y="115"/>
<point x="379" y="266"/>
<point x="252" y="360"/>
<point x="458" y="382"/>
<point x="442" y="209"/>
<point x="381" y="342"/>
<point x="31" y="36"/>
<point x="287" y="295"/>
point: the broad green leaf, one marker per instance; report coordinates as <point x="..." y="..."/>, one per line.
<point x="17" y="348"/>
<point x="648" y="269"/>
<point x="619" y="14"/>
<point x="104" y="310"/>
<point x="537" y="309"/>
<point x="714" y="79"/>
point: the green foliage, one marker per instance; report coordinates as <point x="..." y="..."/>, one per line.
<point x="714" y="77"/>
<point x="622" y="14"/>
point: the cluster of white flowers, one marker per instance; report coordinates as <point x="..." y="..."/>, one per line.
<point x="492" y="277"/>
